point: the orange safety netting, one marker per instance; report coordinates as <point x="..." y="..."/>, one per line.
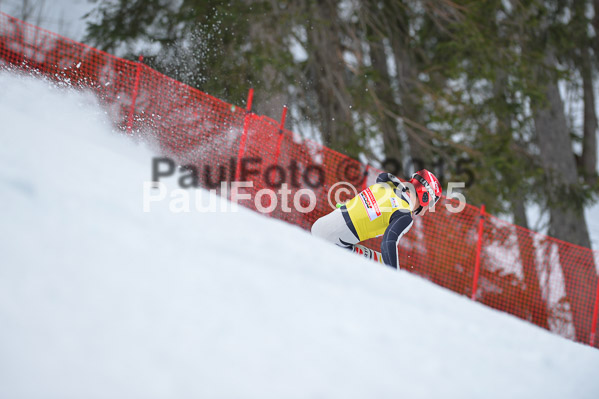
<point x="550" y="283"/>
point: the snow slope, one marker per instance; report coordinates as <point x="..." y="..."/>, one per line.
<point x="101" y="300"/>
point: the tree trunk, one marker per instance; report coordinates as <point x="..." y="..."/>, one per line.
<point x="385" y="101"/>
<point x="558" y="161"/>
<point x="596" y="26"/>
<point x="410" y="103"/>
<point x="526" y="248"/>
<point x="567" y="220"/>
<point x="589" y="140"/>
<point x="328" y="72"/>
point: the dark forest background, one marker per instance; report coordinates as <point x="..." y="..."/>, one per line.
<point x="474" y="90"/>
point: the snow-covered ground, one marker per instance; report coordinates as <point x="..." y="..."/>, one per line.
<point x="100" y="299"/>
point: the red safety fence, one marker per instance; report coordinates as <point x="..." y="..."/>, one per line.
<point x="550" y="283"/>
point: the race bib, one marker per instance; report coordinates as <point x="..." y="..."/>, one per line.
<point x="369" y="202"/>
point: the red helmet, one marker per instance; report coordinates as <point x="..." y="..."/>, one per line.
<point x="427" y="188"/>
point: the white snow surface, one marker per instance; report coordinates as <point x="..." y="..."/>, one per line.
<point x="99" y="299"/>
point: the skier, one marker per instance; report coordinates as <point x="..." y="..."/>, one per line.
<point x="386" y="208"/>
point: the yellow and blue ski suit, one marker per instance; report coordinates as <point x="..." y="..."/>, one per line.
<point x="381" y="209"/>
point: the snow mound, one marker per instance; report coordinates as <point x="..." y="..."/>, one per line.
<point x="99" y="299"/>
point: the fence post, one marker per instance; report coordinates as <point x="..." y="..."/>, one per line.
<point x="134" y="96"/>
<point x="278" y="150"/>
<point x="280" y="139"/>
<point x="595" y="312"/>
<point x="478" y="248"/>
<point x="365" y="177"/>
<point x="246" y="122"/>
